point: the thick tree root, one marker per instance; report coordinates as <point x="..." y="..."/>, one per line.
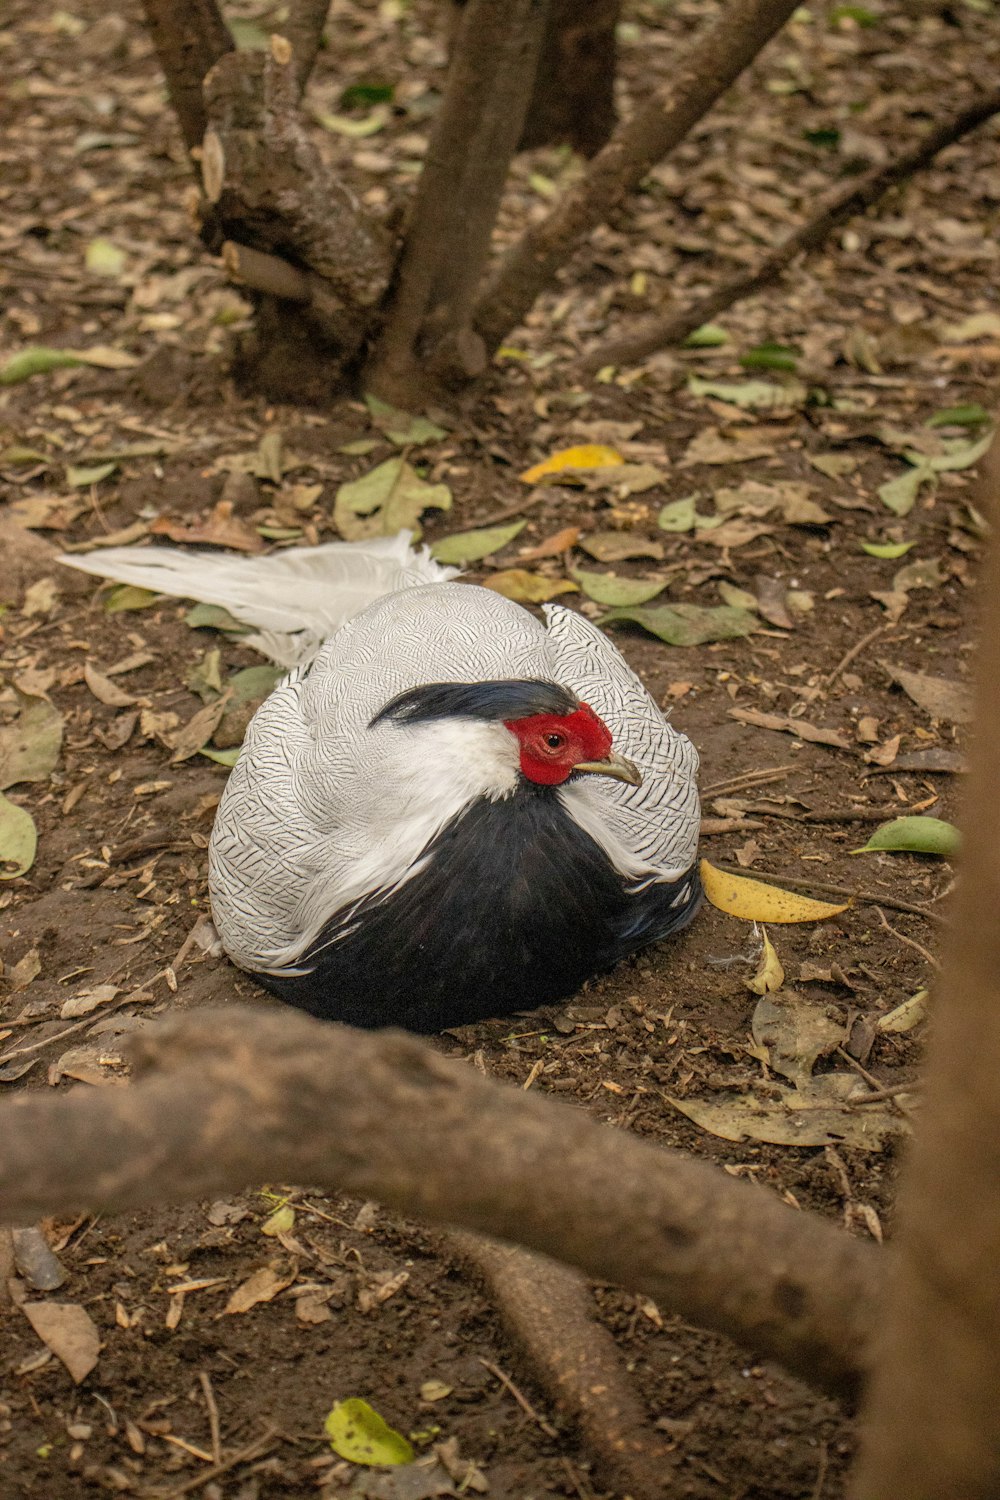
<point x="548" y="1312"/>
<point x="238" y="1096"/>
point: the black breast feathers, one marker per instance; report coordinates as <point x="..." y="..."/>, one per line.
<point x="512" y="906"/>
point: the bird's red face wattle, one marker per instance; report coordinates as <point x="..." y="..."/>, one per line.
<point x="553" y="746"/>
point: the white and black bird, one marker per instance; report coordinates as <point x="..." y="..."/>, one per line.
<point x="447" y="810"/>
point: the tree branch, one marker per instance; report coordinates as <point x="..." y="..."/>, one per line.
<point x="934" y="1418"/>
<point x="715" y="60"/>
<point x="458" y="195"/>
<point x="303" y="28"/>
<point x="840" y="203"/>
<point x="247" y="1095"/>
<point x="189" y="37"/>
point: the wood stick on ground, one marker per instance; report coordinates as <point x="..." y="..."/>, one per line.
<point x="933" y="1421"/>
<point x="447" y="240"/>
<point x="548" y="1310"/>
<point x="839" y="204"/>
<point x="241" y="1096"/>
<point x="717" y="57"/>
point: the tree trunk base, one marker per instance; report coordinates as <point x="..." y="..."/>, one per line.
<point x="285" y="357"/>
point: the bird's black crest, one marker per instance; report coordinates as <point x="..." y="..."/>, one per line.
<point x="507" y="698"/>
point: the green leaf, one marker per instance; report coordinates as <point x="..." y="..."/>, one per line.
<point x="227" y="757"/>
<point x="859" y="14"/>
<point x="78" y="476"/>
<point x="358" y="1434"/>
<point x="688" y="624"/>
<point x="388" y="499"/>
<point x="253" y="683"/>
<point x="972" y="415"/>
<point x="887" y="549"/>
<point x="900" y="495"/>
<point x="738" y="598"/>
<point x="400" y="427"/>
<point x="248" y="36"/>
<point x="609" y="588"/>
<point x="470" y="546"/>
<point x="679" y="515"/>
<point x="827" y="136"/>
<point x="205" y="677"/>
<point x="36" y="360"/>
<point x="30" y="744"/>
<point x="372" y="123"/>
<point x="129" y="596"/>
<point x="18" y="840"/>
<point x="752" y="395"/>
<point x="961" y="454"/>
<point x="915" y="836"/>
<point x="770" y="357"/>
<point x="214" y="617"/>
<point x="708" y="336"/>
<point x="358" y="94"/>
<point x="105" y="259"/>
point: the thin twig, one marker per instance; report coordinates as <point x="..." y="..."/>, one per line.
<point x="910" y="942"/>
<point x="855" y="651"/>
<point x="872" y="1081"/>
<point x="864" y="898"/>
<point x="260" y="1445"/>
<point x="838" y="204"/>
<point x="878" y="1096"/>
<point x="213" y="1414"/>
<point x="519" y="1397"/>
<point x="756" y="778"/>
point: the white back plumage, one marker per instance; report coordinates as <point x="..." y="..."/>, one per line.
<point x="321" y="809"/>
<point x="295" y="598"/>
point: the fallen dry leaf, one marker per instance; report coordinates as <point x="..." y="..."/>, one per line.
<point x="104" y="690"/>
<point x="69" y="1331"/>
<point x="756" y="901"/>
<point x="785" y="724"/>
<point x="584" y="456"/>
<point x="263" y="1286"/>
<point x="220" y="529"/>
<point x="552" y="546"/>
<point x="938" y="696"/>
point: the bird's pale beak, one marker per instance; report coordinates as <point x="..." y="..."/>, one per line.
<point x="615" y="766"/>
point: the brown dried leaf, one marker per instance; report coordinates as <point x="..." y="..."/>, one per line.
<point x="199" y="729"/>
<point x="263" y="1286"/>
<point x="785" y="724"/>
<point x="69" y="1331"/>
<point x="104" y="690"/>
<point x="220" y="529"/>
<point x="793" y="1031"/>
<point x="938" y="696"/>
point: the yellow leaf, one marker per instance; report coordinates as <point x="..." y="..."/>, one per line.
<point x="753" y="901"/>
<point x="282" y="1221"/>
<point x="770" y="975"/>
<point x="528" y="588"/>
<point x="585" y="456"/>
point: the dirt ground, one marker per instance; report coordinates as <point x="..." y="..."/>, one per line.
<point x="366" y="1306"/>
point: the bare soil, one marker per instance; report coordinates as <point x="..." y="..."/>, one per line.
<point x="90" y="151"/>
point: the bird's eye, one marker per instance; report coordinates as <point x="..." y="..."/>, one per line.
<point x="554" y="741"/>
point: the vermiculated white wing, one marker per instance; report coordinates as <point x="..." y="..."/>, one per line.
<point x="656" y="823"/>
<point x="294" y="599"/>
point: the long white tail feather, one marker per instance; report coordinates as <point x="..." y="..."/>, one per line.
<point x="294" y="599"/>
